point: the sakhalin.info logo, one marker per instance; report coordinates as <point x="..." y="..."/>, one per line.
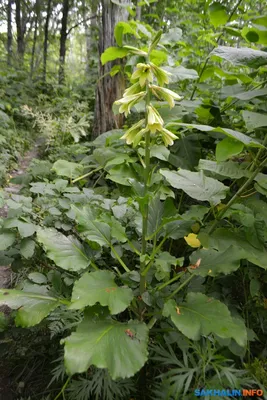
<point x="229" y="392"/>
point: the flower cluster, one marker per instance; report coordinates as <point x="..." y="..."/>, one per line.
<point x="142" y="88"/>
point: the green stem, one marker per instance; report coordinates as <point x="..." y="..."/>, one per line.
<point x="178" y="276"/>
<point x="235" y="197"/>
<point x="258" y="154"/>
<point x="145" y="211"/>
<point x="63" y="389"/>
<point x="181" y="286"/>
<point x="85" y="175"/>
<point x="119" y="259"/>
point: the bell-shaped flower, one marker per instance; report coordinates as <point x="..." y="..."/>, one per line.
<point x="161" y="75"/>
<point x="154" y="120"/>
<point x="127" y="102"/>
<point x="165" y="94"/>
<point x="131" y="133"/>
<point x="143" y="73"/>
<point x="167" y="136"/>
<point x="135" y="88"/>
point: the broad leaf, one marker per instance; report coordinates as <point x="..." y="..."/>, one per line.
<point x="229" y="168"/>
<point x="66" y="251"/>
<point x="222" y="239"/>
<point x="241" y="137"/>
<point x="196" y="185"/>
<point x="202" y="315"/>
<point x="241" y="56"/>
<point x="218" y="14"/>
<point x="171" y="37"/>
<point x="27" y="247"/>
<point x="69" y="169"/>
<point x="93" y="230"/>
<point x="112" y="53"/>
<point x="99" y="287"/>
<point x="119" y="347"/>
<point x="215" y="262"/>
<point x="254" y="120"/>
<point x="121" y="29"/>
<point x="181" y="73"/>
<point x="227" y="148"/>
<point x="7" y="238"/>
<point x="32" y="306"/>
<point x="250" y="94"/>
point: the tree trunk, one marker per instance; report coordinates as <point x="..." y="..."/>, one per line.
<point x="20" y="32"/>
<point x="46" y="31"/>
<point x="37" y="14"/>
<point x="9" y="32"/>
<point x="63" y="39"/>
<point x="109" y="88"/>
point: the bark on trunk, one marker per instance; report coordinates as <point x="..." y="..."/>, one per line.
<point x="9" y="32"/>
<point x="63" y="39"/>
<point x="109" y="88"/>
<point x="48" y="13"/>
<point x="37" y="13"/>
<point x="20" y="32"/>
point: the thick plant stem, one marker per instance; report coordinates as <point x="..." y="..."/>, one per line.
<point x="145" y="210"/>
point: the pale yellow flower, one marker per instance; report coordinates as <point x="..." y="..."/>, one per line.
<point x="131" y="133"/>
<point x="143" y="73"/>
<point x="161" y="75"/>
<point x="168" y="137"/>
<point x="165" y="94"/>
<point x="154" y="120"/>
<point x="127" y="102"/>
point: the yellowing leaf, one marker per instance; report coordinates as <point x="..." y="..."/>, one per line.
<point x="192" y="240"/>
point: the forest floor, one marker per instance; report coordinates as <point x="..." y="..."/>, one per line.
<point x="11" y="188"/>
<point x="5" y="271"/>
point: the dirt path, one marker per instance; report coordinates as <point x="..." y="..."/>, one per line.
<point x="10" y="189"/>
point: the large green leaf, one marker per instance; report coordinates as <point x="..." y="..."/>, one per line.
<point x="222" y="239"/>
<point x="230" y="169"/>
<point x="254" y="120"/>
<point x="172" y="36"/>
<point x="121" y="29"/>
<point x="241" y="56"/>
<point x="32" y="306"/>
<point x="95" y="229"/>
<point x="7" y="238"/>
<point x="227" y="148"/>
<point x="66" y="251"/>
<point x="218" y="14"/>
<point x="181" y="73"/>
<point x="250" y="94"/>
<point x="196" y="185"/>
<point x="255" y="34"/>
<point x="112" y="53"/>
<point x="202" y="315"/>
<point x="241" y="137"/>
<point x="27" y="247"/>
<point x="99" y="287"/>
<point x="69" y="169"/>
<point x="119" y="347"/>
<point x="215" y="262"/>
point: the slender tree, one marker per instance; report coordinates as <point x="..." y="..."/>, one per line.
<point x="9" y="32"/>
<point x="109" y="88"/>
<point x="46" y="32"/>
<point x="20" y="31"/>
<point x="63" y="40"/>
<point x="36" y="19"/>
